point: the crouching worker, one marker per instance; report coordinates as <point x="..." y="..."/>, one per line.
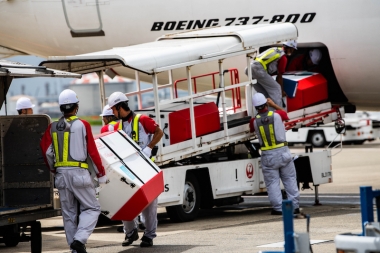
<point x="147" y="134"/>
<point x="110" y="121"/>
<point x="66" y="145"/>
<point x="272" y="62"/>
<point x="276" y="159"/>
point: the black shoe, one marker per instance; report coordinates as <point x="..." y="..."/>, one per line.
<point x="274" y="212"/>
<point x="146" y="242"/>
<point x="129" y="240"/>
<point x="296" y="211"/>
<point x="120" y="229"/>
<point x="78" y="246"/>
<point x="142" y="226"/>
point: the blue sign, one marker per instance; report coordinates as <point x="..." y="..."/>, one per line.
<point x="128" y="172"/>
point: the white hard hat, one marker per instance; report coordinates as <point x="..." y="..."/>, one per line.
<point x="107" y="111"/>
<point x="258" y="99"/>
<point x="291" y="43"/>
<point x="68" y="97"/>
<point x="315" y="56"/>
<point x="116" y="98"/>
<point x="24" y="103"/>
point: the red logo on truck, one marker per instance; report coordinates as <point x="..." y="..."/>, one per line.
<point x="249" y="170"/>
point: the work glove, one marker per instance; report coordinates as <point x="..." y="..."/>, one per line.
<point x="103" y="180"/>
<point x="147" y="151"/>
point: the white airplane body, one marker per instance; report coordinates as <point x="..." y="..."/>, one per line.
<point x="348" y="29"/>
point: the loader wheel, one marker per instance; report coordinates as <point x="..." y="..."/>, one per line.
<point x="317" y="139"/>
<point x="12" y="236"/>
<point x="189" y="210"/>
<point x="36" y="237"/>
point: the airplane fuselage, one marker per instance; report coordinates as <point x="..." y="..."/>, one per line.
<point x="69" y="27"/>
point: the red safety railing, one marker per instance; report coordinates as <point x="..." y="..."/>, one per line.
<point x="315" y="118"/>
<point x="234" y="78"/>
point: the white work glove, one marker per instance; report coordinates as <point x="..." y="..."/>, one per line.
<point x="103" y="180"/>
<point x="147" y="151"/>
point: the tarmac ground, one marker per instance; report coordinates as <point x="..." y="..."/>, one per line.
<point x="247" y="227"/>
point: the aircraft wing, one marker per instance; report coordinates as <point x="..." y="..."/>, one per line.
<point x="178" y="50"/>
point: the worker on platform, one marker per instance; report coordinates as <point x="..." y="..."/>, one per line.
<point x="308" y="61"/>
<point x="147" y="134"/>
<point x="68" y="147"/>
<point x="276" y="159"/>
<point x="24" y="106"/>
<point x="110" y="121"/>
<point x="272" y="62"/>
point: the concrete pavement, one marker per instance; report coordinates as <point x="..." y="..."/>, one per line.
<point x="246" y="227"/>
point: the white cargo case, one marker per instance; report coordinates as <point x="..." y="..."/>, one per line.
<point x="134" y="180"/>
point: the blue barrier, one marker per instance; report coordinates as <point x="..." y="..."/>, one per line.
<point x="287" y="217"/>
<point x="366" y="205"/>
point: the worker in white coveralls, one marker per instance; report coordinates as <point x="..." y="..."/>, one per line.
<point x="272" y="62"/>
<point x="112" y="124"/>
<point x="276" y="159"/>
<point x="147" y="134"/>
<point x="24" y="106"/>
<point x="68" y="148"/>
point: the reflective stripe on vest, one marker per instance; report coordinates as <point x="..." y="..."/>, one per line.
<point x="61" y="143"/>
<point x="269" y="56"/>
<point x="265" y="124"/>
<point x="135" y="128"/>
<point x="135" y="131"/>
<point x="113" y="123"/>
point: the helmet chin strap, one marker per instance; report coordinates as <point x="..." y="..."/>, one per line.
<point x="118" y="113"/>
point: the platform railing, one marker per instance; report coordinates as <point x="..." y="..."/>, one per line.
<point x="234" y="79"/>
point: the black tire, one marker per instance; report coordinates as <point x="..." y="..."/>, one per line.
<point x="36" y="237"/>
<point x="317" y="139"/>
<point x="189" y="210"/>
<point x="11" y="238"/>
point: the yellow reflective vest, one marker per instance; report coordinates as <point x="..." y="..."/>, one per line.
<point x="113" y="123"/>
<point x="269" y="56"/>
<point x="135" y="128"/>
<point x="265" y="124"/>
<point x="60" y="131"/>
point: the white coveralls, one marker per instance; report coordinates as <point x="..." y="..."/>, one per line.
<point x="74" y="183"/>
<point x="150" y="212"/>
<point x="276" y="159"/>
<point x="265" y="83"/>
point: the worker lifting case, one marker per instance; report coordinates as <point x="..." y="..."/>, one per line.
<point x="304" y="89"/>
<point x="134" y="180"/>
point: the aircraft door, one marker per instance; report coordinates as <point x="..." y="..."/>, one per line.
<point x="83" y="17"/>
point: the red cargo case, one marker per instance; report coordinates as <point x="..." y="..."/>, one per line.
<point x="311" y="90"/>
<point x="206" y="121"/>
